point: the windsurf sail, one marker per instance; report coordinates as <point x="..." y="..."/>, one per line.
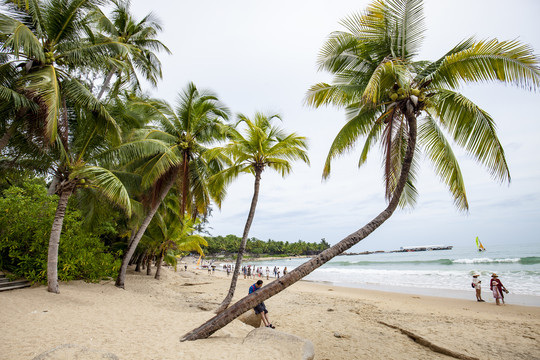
<point x="479" y="245"/>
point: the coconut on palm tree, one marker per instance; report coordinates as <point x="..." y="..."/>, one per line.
<point x="174" y="152"/>
<point x="393" y="99"/>
<point x="263" y="146"/>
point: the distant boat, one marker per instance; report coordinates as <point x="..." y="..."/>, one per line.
<point x="479" y="245"/>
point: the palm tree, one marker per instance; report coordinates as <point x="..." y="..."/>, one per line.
<point x="263" y="145"/>
<point x="176" y="152"/>
<point x="46" y="43"/>
<point x="173" y="236"/>
<point x="371" y="62"/>
<point x="135" y="42"/>
<point x="45" y="46"/>
<point x="75" y="168"/>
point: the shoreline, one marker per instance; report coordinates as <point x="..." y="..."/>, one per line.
<point x="511" y="299"/>
<point x="147" y="319"/>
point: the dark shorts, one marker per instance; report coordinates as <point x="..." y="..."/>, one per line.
<point x="260" y="308"/>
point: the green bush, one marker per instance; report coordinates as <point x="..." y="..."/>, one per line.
<point x="26" y="216"/>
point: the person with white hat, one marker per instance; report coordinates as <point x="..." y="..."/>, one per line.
<point x="477" y="285"/>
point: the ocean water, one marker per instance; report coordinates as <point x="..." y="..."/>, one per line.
<point x="446" y="273"/>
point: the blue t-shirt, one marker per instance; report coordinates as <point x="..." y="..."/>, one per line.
<point x="253" y="288"/>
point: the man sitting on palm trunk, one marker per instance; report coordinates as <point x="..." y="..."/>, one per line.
<point x="261" y="308"/>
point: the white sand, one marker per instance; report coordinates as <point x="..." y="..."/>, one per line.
<point x="146" y="321"/>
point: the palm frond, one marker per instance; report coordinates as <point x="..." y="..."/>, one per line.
<point x="406" y="18"/>
<point x="359" y="124"/>
<point x="473" y="129"/>
<point x="81" y="96"/>
<point x="510" y="62"/>
<point x="43" y="85"/>
<point x="108" y="184"/>
<point x="21" y="41"/>
<point x="325" y="94"/>
<point x="445" y="163"/>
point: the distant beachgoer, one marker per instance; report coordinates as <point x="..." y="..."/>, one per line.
<point x="267" y="272"/>
<point x="228" y="270"/>
<point x="249" y="271"/>
<point x="285" y="271"/>
<point x="278" y="272"/>
<point x="244" y="270"/>
<point x="477" y="285"/>
<point x="275" y="271"/>
<point x="261" y="308"/>
<point x="498" y="289"/>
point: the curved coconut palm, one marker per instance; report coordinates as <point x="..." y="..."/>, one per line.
<point x="174" y="151"/>
<point x="371" y="62"/>
<point x="263" y="146"/>
<point x="136" y="43"/>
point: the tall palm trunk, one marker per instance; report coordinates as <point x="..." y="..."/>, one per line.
<point x="158" y="265"/>
<point x="149" y="264"/>
<point x="54" y="240"/>
<point x="138" y="263"/>
<point x="106" y="83"/>
<point x="185" y="184"/>
<point x="4" y="140"/>
<point x="120" y="280"/>
<point x="248" y="302"/>
<point x="249" y="221"/>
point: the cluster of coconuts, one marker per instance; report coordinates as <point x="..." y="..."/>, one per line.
<point x="399" y="93"/>
<point x="82" y="183"/>
<point x="49" y="57"/>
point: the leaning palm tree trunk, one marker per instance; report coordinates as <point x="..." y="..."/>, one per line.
<point x="226" y="302"/>
<point x="158" y="265"/>
<point x="54" y="241"/>
<point x="120" y="280"/>
<point x="106" y="83"/>
<point x="248" y="302"/>
<point x="4" y="140"/>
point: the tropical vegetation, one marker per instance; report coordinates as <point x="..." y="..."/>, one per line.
<point x="96" y="175"/>
<point x="228" y="246"/>
<point x="173" y="151"/>
<point x="26" y="215"/>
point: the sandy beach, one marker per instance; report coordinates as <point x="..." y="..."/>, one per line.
<point x="147" y="319"/>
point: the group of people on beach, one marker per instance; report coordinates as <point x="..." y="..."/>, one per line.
<point x="495" y="285"/>
<point x="250" y="271"/>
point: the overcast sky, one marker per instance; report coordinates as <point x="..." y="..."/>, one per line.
<point x="261" y="56"/>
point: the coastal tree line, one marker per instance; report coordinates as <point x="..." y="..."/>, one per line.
<point x="73" y="112"/>
<point x="228" y="245"/>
